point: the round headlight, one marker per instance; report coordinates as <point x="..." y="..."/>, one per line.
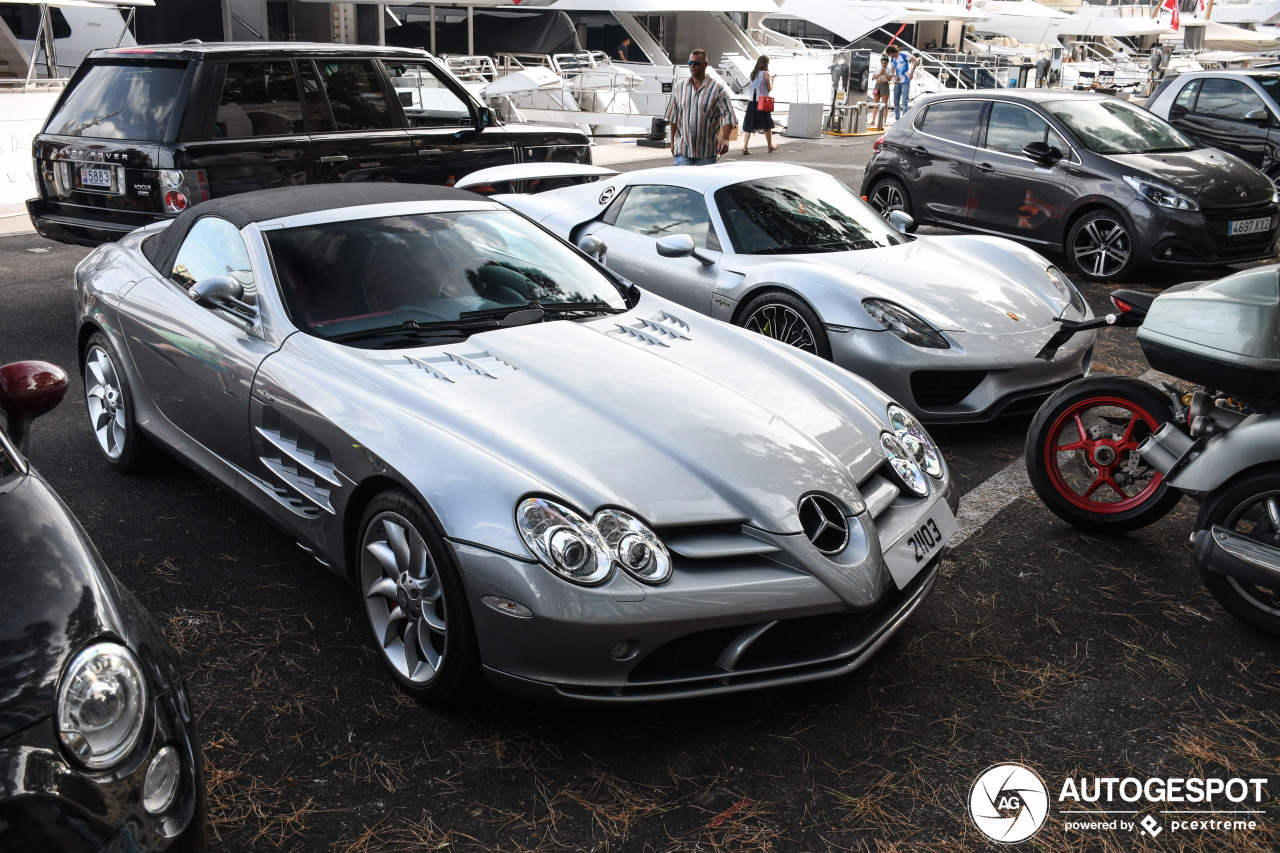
<point x="904" y="464"/>
<point x="916" y="440"/>
<point x="102" y="703"/>
<point x="564" y="541"/>
<point x="636" y="548"/>
<point x="160" y="785"/>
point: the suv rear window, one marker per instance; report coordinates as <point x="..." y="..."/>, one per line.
<point x="119" y="102"/>
<point x="953" y="120"/>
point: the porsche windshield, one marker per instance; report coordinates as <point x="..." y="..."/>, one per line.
<point x="360" y="278"/>
<point x="800" y="214"/>
<point x="1110" y="126"/>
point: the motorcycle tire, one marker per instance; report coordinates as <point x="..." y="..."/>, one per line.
<point x="1243" y="506"/>
<point x="1082" y="459"/>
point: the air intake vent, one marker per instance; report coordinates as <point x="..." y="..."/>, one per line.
<point x="449" y="366"/>
<point x="659" y="331"/>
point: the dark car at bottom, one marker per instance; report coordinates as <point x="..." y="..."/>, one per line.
<point x="1106" y="183"/>
<point x="97" y="743"/>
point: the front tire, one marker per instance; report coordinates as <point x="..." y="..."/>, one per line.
<point x="1250" y="507"/>
<point x="109" y="402"/>
<point x="1082" y="458"/>
<point x="1100" y="246"/>
<point x="413" y="600"/>
<point x="787" y="318"/>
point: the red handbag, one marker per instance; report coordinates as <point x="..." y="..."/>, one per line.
<point x="764" y="104"/>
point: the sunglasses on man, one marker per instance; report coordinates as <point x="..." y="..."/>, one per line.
<point x="693" y="63"/>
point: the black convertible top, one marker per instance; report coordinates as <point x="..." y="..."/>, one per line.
<point x="262" y="205"/>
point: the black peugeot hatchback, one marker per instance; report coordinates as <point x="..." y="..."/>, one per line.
<point x="141" y="133"/>
<point x="97" y="743"/>
<point x="1106" y="183"/>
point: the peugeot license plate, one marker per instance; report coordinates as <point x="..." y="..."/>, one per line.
<point x="1249" y="226"/>
<point x="921" y="544"/>
<point x="98" y="177"/>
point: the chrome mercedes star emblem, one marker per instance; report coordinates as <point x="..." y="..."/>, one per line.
<point x="824" y="523"/>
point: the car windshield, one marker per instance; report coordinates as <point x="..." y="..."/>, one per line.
<point x="1110" y="126"/>
<point x="428" y="273"/>
<point x="799" y="214"/>
<point x="1270" y="84"/>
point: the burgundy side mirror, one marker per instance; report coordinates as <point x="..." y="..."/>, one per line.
<point x="28" y="389"/>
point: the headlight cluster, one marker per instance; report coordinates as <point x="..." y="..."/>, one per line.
<point x="584" y="551"/>
<point x="1067" y="290"/>
<point x="1161" y="195"/>
<point x="102" y="703"/>
<point x="907" y="325"/>
<point x="911" y="451"/>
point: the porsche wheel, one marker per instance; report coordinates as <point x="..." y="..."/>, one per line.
<point x="1250" y="508"/>
<point x="413" y="600"/>
<point x="1082" y="454"/>
<point x="1100" y="246"/>
<point x="788" y="319"/>
<point x="111" y="414"/>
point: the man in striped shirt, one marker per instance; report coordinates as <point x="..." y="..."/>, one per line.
<point x="701" y="116"/>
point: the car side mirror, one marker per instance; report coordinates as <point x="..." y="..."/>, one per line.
<point x="484" y="118"/>
<point x="682" y="246"/>
<point x="1261" y="116"/>
<point x="1042" y="153"/>
<point x="1177" y="112"/>
<point x="593" y="246"/>
<point x="29" y="389"/>
<point x="901" y="220"/>
<point x="222" y="291"/>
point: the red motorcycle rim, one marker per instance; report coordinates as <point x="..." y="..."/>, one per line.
<point x="1104" y="483"/>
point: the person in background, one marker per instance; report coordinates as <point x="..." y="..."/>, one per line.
<point x="904" y="68"/>
<point x="755" y="121"/>
<point x="1155" y="68"/>
<point x="880" y="94"/>
<point x="624" y="49"/>
<point x="700" y="114"/>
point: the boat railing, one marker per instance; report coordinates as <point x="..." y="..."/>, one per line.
<point x="472" y="69"/>
<point x="17" y="85"/>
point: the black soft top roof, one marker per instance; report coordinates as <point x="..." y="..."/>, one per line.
<point x="260" y="206"/>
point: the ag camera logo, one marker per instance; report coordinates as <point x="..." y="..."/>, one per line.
<point x="1009" y="802"/>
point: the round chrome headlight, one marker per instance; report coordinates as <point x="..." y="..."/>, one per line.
<point x="904" y="464"/>
<point x="918" y="442"/>
<point x="636" y="548"/>
<point x="102" y="702"/>
<point x="564" y="541"/>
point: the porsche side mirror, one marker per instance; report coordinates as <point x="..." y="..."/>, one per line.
<point x="681" y="246"/>
<point x="593" y="246"/>
<point x="29" y="389"/>
<point x="221" y="291"/>
<point x="901" y="220"/>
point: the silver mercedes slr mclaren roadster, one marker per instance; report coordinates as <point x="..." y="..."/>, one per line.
<point x="527" y="467"/>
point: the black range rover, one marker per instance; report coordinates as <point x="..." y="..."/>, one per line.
<point x="141" y="133"/>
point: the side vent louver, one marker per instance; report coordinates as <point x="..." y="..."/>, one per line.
<point x="449" y="366"/>
<point x="302" y="465"/>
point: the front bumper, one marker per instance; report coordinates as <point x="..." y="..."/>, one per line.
<point x="81" y="226"/>
<point x="1199" y="238"/>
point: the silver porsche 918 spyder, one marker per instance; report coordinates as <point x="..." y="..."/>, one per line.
<point x="526" y="466"/>
<point x="953" y="327"/>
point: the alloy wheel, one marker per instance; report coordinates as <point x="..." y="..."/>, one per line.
<point x="104" y="395"/>
<point x="1101" y="248"/>
<point x="784" y="324"/>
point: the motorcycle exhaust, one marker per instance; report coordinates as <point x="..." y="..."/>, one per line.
<point x="1227" y="553"/>
<point x="1163" y="450"/>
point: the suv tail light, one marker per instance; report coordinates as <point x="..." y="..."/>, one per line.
<point x="183" y="188"/>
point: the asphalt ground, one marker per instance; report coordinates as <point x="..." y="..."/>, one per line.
<point x="1079" y="656"/>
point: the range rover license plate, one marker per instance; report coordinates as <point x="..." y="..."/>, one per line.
<point x="93" y="177"/>
<point x="1249" y="226"/>
<point x="921" y="544"/>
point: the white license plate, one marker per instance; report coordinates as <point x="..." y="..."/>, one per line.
<point x="1249" y="226"/>
<point x="99" y="177"/>
<point x="921" y="544"/>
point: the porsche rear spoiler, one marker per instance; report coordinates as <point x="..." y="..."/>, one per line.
<point x="532" y="177"/>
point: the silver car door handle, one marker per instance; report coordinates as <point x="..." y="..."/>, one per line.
<point x="334" y="158"/>
<point x="431" y="151"/>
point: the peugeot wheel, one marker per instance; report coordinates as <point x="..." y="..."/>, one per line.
<point x="1250" y="508"/>
<point x="1100" y="246"/>
<point x="1082" y="454"/>
<point x="413" y="600"/>
<point x="788" y="319"/>
<point x="886" y="195"/>
<point x="111" y="413"/>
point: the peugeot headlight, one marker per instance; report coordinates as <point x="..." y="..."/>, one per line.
<point x="634" y="546"/>
<point x="905" y="324"/>
<point x="904" y="464"/>
<point x="102" y="702"/>
<point x="1161" y="195"/>
<point x="564" y="541"/>
<point x="1067" y="290"/>
<point x="917" y="442"/>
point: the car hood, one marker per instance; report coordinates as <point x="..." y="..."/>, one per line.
<point x="676" y="417"/>
<point x="1213" y="178"/>
<point x="57" y="598"/>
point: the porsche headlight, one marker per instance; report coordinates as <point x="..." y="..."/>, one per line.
<point x="634" y="546"/>
<point x="564" y="541"/>
<point x="907" y="325"/>
<point x="1067" y="290"/>
<point x="904" y="464"/>
<point x="917" y="442"/>
<point x="1161" y="195"/>
<point x="102" y="702"/>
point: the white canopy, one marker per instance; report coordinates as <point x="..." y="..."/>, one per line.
<point x="1224" y="37"/>
<point x="853" y="19"/>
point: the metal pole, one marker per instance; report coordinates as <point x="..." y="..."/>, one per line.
<point x="432" y="7"/>
<point x="471" y="36"/>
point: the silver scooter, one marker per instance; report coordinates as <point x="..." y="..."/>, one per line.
<point x="1226" y="333"/>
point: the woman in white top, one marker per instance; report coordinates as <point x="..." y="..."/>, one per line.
<point x="756" y="121"/>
